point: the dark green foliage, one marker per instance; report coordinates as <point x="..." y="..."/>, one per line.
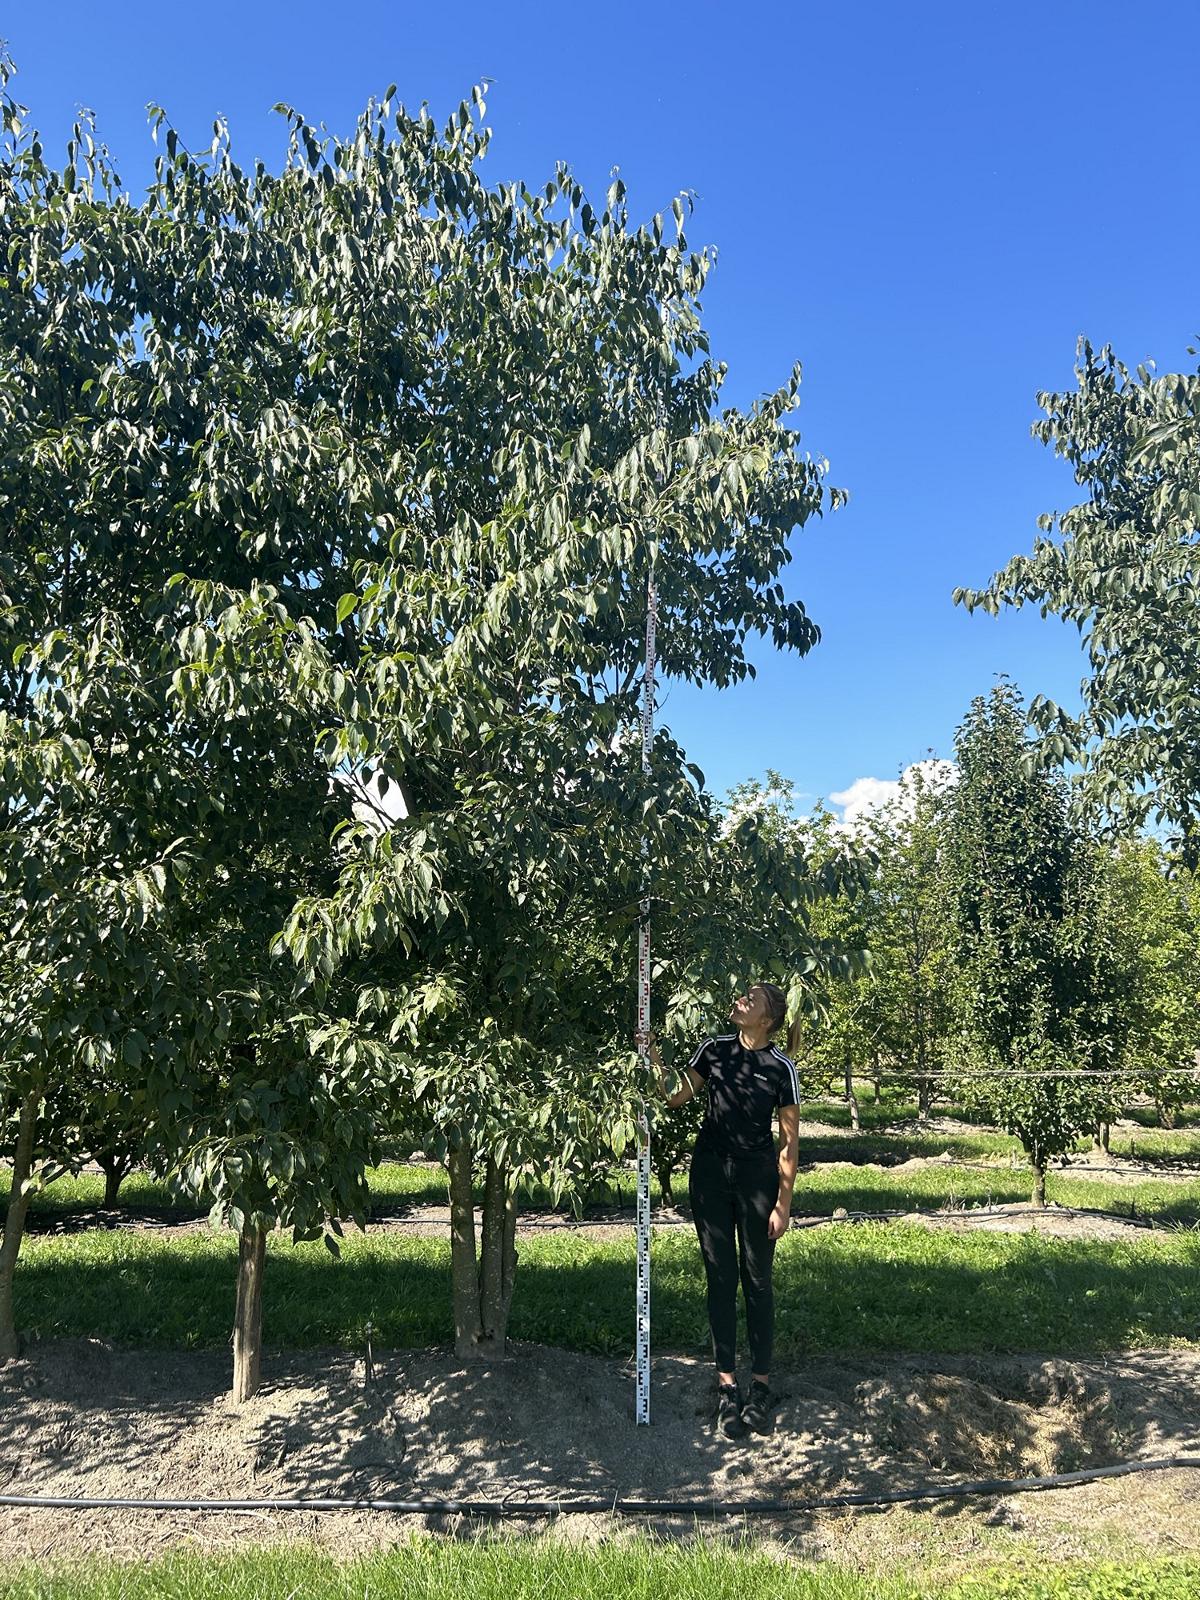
<point x="1041" y="989"/>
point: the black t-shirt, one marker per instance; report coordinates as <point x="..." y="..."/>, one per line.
<point x="745" y="1089"/>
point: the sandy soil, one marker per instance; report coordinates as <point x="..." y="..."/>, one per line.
<point x="79" y="1417"/>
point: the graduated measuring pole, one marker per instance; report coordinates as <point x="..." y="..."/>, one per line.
<point x="643" y="1023"/>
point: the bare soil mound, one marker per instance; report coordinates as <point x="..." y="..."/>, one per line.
<point x="79" y="1417"/>
<point x="1059" y="1222"/>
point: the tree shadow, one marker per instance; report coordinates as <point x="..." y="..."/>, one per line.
<point x="875" y="1287"/>
<point x="552" y="1425"/>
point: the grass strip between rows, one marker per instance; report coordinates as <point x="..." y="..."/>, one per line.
<point x="871" y="1287"/>
<point x="519" y="1569"/>
<point x="396" y="1186"/>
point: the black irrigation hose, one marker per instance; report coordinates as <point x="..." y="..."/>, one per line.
<point x="961" y="1074"/>
<point x="649" y="1508"/>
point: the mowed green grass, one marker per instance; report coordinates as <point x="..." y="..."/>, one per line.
<point x="870" y="1286"/>
<point x="820" y="1189"/>
<point x="856" y="1188"/>
<point x="892" y="1132"/>
<point x="397" y="1185"/>
<point x="508" y="1568"/>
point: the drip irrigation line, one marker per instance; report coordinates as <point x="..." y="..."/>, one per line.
<point x="694" y="1506"/>
<point x="962" y="1074"/>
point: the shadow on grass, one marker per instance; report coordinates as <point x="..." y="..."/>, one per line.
<point x="890" y="1149"/>
<point x="1147" y="1116"/>
<point x="874" y="1287"/>
<point x="74" y="1205"/>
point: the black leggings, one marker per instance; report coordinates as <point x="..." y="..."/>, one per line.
<point x="732" y="1199"/>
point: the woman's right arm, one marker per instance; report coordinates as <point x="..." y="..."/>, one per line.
<point x="691" y="1080"/>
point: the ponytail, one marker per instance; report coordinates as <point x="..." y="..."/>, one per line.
<point x="795" y="1035"/>
<point x="795" y="1031"/>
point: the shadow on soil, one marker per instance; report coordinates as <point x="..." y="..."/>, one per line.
<point x="81" y="1417"/>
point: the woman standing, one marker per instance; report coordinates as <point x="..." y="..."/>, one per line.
<point x="740" y="1187"/>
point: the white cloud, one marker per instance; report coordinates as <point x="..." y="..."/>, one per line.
<point x="867" y="795"/>
<point x="864" y="796"/>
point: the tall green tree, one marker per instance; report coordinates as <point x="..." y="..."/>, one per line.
<point x="840" y="1030"/>
<point x="414" y="446"/>
<point x="509" y="593"/>
<point x="1158" y="926"/>
<point x="893" y="1015"/>
<point x="1122" y="565"/>
<point x="1043" y="994"/>
<point x="911" y="969"/>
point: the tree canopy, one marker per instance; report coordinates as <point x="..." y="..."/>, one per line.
<point x="355" y="470"/>
<point x="1123" y="566"/>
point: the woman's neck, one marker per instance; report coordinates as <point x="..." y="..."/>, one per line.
<point x="753" y="1041"/>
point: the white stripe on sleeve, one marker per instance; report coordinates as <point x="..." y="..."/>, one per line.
<point x="791" y="1071"/>
<point x="696" y="1057"/>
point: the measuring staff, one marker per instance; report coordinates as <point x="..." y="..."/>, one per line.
<point x="740" y="1188"/>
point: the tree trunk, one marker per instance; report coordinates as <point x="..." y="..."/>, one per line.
<point x="464" y="1280"/>
<point x="14" y="1224"/>
<point x="115" y="1169"/>
<point x="665" y="1175"/>
<point x="510" y="1252"/>
<point x="1166" y="1114"/>
<point x="924" y="1098"/>
<point x="498" y="1258"/>
<point x="247" y="1321"/>
<point x="851" y="1098"/>
<point x="1039" y="1183"/>
<point x="1100" y="1138"/>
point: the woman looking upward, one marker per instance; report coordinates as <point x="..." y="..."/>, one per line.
<point x="740" y="1188"/>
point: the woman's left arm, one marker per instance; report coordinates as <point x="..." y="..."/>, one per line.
<point x="789" y="1161"/>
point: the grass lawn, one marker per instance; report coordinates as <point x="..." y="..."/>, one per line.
<point x="395" y="1183"/>
<point x="871" y="1286"/>
<point x="396" y="1186"/>
<point x="1155" y="1144"/>
<point x="507" y="1568"/>
<point x="929" y="1188"/>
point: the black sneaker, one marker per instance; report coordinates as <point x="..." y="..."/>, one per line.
<point x="756" y="1413"/>
<point x="729" y="1411"/>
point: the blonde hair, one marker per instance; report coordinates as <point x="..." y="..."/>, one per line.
<point x="778" y="1003"/>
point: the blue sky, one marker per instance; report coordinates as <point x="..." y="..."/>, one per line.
<point x="925" y="204"/>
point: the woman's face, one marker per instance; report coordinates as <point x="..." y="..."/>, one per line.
<point x="752" y="1009"/>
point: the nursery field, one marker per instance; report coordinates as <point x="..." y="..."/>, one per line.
<point x="935" y="1329"/>
<point x="905" y="1237"/>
